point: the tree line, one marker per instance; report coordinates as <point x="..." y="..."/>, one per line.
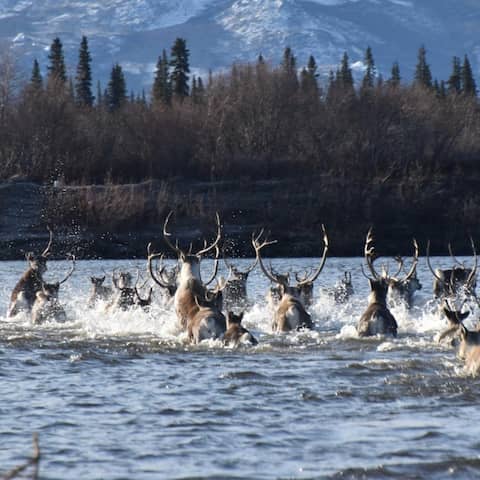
<point x="256" y="121"/>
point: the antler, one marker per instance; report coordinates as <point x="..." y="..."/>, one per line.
<point x="369" y="253"/>
<point x="150" y="257"/>
<point x="175" y="248"/>
<point x="215" y="267"/>
<point x="258" y="246"/>
<point x="473" y="273"/>
<point x="216" y="241"/>
<point x="322" y="261"/>
<point x="46" y="252"/>
<point x="413" y="268"/>
<point x="455" y="260"/>
<point x="72" y="269"/>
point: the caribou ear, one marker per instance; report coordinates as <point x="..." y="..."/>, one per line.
<point x="463" y="316"/>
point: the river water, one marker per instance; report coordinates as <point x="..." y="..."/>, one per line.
<point x="123" y="396"/>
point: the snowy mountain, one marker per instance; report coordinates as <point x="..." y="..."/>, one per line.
<point x="219" y="32"/>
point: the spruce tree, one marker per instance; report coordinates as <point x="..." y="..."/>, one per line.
<point x="344" y="75"/>
<point x="423" y="75"/>
<point x="180" y="68"/>
<point x="117" y="89"/>
<point x="36" y="80"/>
<point x="368" y="81"/>
<point x="83" y="79"/>
<point x="468" y="82"/>
<point x="162" y="88"/>
<point x="308" y="76"/>
<point x="57" y="70"/>
<point x="455" y="80"/>
<point x="395" y="78"/>
<point x="99" y="94"/>
<point x="289" y="70"/>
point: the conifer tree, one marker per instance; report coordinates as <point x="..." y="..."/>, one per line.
<point x="117" y="89"/>
<point x="83" y="79"/>
<point x="469" y="86"/>
<point x="455" y="80"/>
<point x="395" y="78"/>
<point x="368" y="81"/>
<point x="423" y="75"/>
<point x="99" y="94"/>
<point x="180" y="68"/>
<point x="289" y="70"/>
<point x="309" y="75"/>
<point x="344" y="75"/>
<point x="57" y="70"/>
<point x="36" y="80"/>
<point x="162" y="88"/>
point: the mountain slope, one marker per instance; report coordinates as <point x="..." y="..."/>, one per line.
<point x="219" y="32"/>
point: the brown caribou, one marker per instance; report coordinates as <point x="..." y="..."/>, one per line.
<point x="236" y="334"/>
<point x="190" y="287"/>
<point x="456" y="280"/>
<point x="377" y="318"/>
<point x="47" y="306"/>
<point x="24" y="293"/>
<point x="290" y="313"/>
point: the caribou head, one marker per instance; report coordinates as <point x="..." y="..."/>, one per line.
<point x="403" y="288"/>
<point x="456" y="280"/>
<point x="343" y="290"/>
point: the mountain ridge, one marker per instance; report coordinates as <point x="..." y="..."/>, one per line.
<point x="220" y="32"/>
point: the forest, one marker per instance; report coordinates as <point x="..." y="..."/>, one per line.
<point x="400" y="155"/>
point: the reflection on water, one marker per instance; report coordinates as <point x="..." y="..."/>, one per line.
<point x="122" y="395"/>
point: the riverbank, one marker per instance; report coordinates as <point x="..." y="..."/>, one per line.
<point x="118" y="221"/>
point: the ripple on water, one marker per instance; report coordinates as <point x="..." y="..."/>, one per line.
<point x="122" y="394"/>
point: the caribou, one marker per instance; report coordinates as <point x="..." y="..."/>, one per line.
<point x="377" y="318"/>
<point x="456" y="280"/>
<point x="47" y="306"/>
<point x="100" y="292"/>
<point x="24" y="293"/>
<point x="402" y="290"/>
<point x="206" y="320"/>
<point x="290" y="313"/>
<point x="126" y="294"/>
<point x="455" y="318"/>
<point x="343" y="290"/>
<point x="236" y="334"/>
<point x="236" y="287"/>
<point x="190" y="287"/>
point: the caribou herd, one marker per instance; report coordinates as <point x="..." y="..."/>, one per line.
<point x="213" y="308"/>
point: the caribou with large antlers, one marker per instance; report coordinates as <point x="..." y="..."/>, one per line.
<point x="377" y="318"/>
<point x="24" y="293"/>
<point x="290" y="313"/>
<point x="456" y="280"/>
<point x="47" y="306"/>
<point x="190" y="285"/>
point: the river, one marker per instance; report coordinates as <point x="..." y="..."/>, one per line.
<point x="122" y="395"/>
